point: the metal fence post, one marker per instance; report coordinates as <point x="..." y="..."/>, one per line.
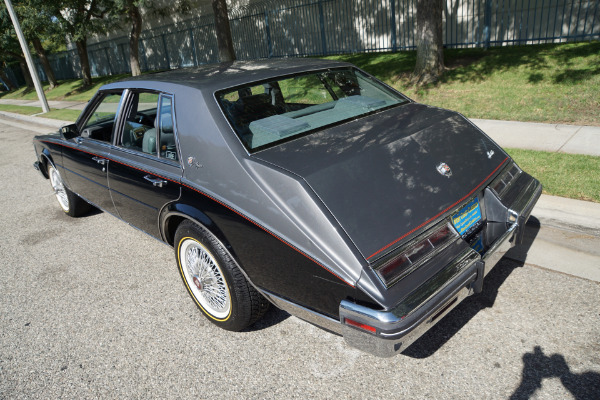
<point x="322" y="23"/>
<point x="110" y="70"/>
<point x="393" y="23"/>
<point x="164" y="42"/>
<point x="268" y="31"/>
<point x="125" y="62"/>
<point x="487" y="21"/>
<point x="144" y="54"/>
<point x="193" y="43"/>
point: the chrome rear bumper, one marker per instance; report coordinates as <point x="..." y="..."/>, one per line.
<point x="397" y="328"/>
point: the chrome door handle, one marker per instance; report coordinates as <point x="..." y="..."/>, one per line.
<point x="155" y="181"/>
<point x="79" y="140"/>
<point x="100" y="160"/>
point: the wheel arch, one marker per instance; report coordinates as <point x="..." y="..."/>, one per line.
<point x="175" y="213"/>
<point x="44" y="159"/>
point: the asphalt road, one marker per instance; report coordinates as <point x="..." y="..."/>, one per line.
<point x="92" y="308"/>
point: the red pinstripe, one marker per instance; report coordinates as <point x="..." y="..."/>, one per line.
<point x="221" y="203"/>
<point x="438" y="214"/>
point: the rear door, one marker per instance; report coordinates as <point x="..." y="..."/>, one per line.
<point x="86" y="157"/>
<point x="144" y="172"/>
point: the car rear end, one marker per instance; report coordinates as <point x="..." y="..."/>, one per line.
<point x="461" y="254"/>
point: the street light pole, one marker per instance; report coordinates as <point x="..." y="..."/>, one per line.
<point x="32" y="71"/>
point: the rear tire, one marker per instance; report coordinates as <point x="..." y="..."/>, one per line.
<point x="214" y="280"/>
<point x="69" y="202"/>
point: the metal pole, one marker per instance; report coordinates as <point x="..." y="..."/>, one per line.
<point x="32" y="71"/>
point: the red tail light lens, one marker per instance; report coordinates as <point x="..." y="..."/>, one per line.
<point x="393" y="268"/>
<point x="415" y="254"/>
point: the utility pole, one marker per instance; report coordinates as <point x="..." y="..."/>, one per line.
<point x="32" y="71"/>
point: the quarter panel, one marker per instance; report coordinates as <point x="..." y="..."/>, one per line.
<point x="271" y="263"/>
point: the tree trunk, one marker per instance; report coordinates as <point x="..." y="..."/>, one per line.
<point x="430" y="43"/>
<point x="39" y="49"/>
<point x="85" y="62"/>
<point x="134" y="39"/>
<point x="224" y="40"/>
<point x="26" y="74"/>
<point x="6" y="79"/>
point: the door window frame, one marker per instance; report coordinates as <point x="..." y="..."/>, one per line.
<point x="91" y="107"/>
<point x="120" y="125"/>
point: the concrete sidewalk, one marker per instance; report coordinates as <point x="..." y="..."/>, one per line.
<point x="560" y="138"/>
<point x="572" y="139"/>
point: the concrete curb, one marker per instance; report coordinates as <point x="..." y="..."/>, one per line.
<point x="575" y="215"/>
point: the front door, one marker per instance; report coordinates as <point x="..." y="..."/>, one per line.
<point x="144" y="172"/>
<point x="86" y="158"/>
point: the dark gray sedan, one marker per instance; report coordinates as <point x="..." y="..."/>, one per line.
<point x="308" y="184"/>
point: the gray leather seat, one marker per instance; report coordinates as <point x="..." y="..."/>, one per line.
<point x="167" y="136"/>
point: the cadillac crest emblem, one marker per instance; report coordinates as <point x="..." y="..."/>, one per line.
<point x="444" y="169"/>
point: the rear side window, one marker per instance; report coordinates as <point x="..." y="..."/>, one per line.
<point x="149" y="126"/>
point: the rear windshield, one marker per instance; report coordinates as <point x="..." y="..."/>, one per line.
<point x="271" y="112"/>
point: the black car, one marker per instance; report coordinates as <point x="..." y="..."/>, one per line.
<point x="308" y="184"/>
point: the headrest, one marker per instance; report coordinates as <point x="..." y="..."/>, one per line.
<point x="166" y="123"/>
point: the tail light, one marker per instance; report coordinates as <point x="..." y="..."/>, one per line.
<point x="416" y="253"/>
<point x="501" y="184"/>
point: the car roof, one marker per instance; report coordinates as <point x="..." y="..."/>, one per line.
<point x="214" y="77"/>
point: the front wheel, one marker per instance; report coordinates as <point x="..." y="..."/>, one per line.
<point x="70" y="203"/>
<point x="214" y="280"/>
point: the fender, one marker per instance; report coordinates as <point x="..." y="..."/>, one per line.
<point x="46" y="158"/>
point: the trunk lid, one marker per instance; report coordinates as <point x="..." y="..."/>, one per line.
<point x="378" y="175"/>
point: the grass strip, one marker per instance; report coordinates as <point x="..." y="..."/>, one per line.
<point x="25" y="110"/>
<point x="567" y="175"/>
<point x="61" y="114"/>
<point x="554" y="83"/>
<point x="67" y="90"/>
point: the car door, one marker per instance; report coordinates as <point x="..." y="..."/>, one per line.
<point x="86" y="157"/>
<point x="144" y="173"/>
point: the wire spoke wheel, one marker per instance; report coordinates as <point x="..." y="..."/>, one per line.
<point x="204" y="278"/>
<point x="214" y="280"/>
<point x="59" y="189"/>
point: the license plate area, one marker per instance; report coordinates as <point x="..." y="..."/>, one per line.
<point x="468" y="219"/>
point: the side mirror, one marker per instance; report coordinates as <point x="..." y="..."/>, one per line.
<point x="69" y="131"/>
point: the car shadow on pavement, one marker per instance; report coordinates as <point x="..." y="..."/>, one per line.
<point x="452" y="323"/>
<point x="538" y="366"/>
<point x="272" y="317"/>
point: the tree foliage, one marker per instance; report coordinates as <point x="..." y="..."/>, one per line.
<point x="10" y="49"/>
<point x="79" y="19"/>
<point x="38" y="25"/>
<point x="130" y="13"/>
